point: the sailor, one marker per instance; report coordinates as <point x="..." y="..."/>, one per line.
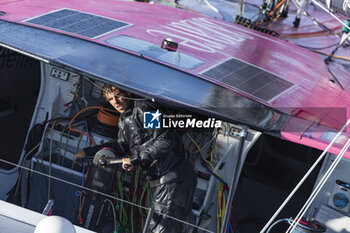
<point x="160" y="153"/>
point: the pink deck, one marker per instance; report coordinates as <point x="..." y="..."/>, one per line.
<point x="215" y="41"/>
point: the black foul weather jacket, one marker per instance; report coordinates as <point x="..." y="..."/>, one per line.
<point x="158" y="151"/>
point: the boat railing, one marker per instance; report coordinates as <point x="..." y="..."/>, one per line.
<point x="150" y="210"/>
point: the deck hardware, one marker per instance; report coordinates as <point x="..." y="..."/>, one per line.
<point x="169" y="45"/>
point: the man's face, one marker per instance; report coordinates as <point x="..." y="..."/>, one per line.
<point x="115" y="98"/>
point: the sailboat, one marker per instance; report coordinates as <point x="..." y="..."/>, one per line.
<point x="258" y="112"/>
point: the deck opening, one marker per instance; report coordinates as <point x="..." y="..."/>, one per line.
<point x="19" y="88"/>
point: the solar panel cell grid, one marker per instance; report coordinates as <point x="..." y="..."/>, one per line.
<point x="79" y="23"/>
<point x="249" y="79"/>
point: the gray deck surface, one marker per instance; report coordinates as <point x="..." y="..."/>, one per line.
<point x="9" y="225"/>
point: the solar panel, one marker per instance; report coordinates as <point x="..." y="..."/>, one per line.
<point x="77" y="22"/>
<point x="249" y="79"/>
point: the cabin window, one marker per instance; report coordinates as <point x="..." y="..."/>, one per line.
<point x="19" y="88"/>
<point x="155" y="51"/>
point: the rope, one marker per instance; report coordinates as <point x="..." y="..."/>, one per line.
<point x="134" y="199"/>
<point x="304" y="26"/>
<point x="317" y="48"/>
<point x="65" y="151"/>
<point x="22" y="164"/>
<point x="213" y="171"/>
<point x="85" y="109"/>
<point x="307" y="34"/>
<point x="80" y="208"/>
<point x="276" y="7"/>
<point x="334" y="56"/>
<point x="222" y="193"/>
<point x="220" y="208"/>
<point x="275" y="223"/>
<point x="199" y="149"/>
<point x="60" y="145"/>
<point x="123" y="218"/>
<point x="147" y="189"/>
<point x="41" y="163"/>
<point x="114" y="214"/>
<point x="77" y="149"/>
<point x="50" y="160"/>
<point x="148" y="200"/>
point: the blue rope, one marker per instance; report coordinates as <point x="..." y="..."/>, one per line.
<point x="229" y="227"/>
<point x="83" y="177"/>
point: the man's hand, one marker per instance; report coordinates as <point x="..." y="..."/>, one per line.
<point x="127" y="164"/>
<point x="80" y="154"/>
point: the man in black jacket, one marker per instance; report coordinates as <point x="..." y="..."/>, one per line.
<point x="159" y="152"/>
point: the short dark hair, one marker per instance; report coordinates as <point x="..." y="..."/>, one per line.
<point x="109" y="88"/>
<point x="106" y="88"/>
